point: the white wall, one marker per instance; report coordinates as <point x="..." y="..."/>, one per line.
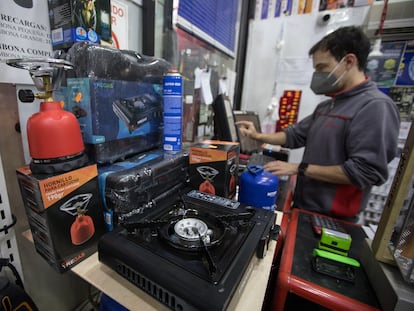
<point x="277" y="58"/>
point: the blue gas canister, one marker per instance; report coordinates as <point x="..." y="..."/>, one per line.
<point x="258" y="188"/>
<point x="173" y="111"/>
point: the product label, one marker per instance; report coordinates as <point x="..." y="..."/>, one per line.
<point x="55" y="188"/>
<point x="172" y="133"/>
<point x="173" y="95"/>
<point x="173" y="85"/>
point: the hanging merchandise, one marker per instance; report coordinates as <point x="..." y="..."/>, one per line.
<point x="258" y="188"/>
<point x="54" y="135"/>
<point x="271" y="117"/>
<point x="288" y="109"/>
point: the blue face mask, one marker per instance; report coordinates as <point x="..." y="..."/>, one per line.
<point x="326" y="82"/>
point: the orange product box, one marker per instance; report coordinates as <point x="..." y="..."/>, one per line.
<point x="214" y="167"/>
<point x="64" y="212"/>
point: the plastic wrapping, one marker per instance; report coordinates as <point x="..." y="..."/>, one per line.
<point x="103" y="62"/>
<point x="130" y="187"/>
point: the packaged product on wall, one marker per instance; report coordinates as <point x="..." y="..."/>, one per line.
<point x="79" y="20"/>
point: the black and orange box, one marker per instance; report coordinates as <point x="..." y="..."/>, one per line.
<point x="65" y="214"/>
<point x="214" y="166"/>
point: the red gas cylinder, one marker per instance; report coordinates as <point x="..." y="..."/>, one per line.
<point x="55" y="140"/>
<point x="53" y="133"/>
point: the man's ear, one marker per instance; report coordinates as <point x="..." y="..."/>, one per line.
<point x="351" y="60"/>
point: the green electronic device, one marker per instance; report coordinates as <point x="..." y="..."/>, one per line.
<point x="335" y="241"/>
<point x="334" y="265"/>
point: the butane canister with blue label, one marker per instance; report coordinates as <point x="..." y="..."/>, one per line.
<point x="258" y="188"/>
<point x="173" y="111"/>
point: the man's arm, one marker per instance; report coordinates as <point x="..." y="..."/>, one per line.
<point x="278" y="138"/>
<point x="247" y="129"/>
<point x="332" y="174"/>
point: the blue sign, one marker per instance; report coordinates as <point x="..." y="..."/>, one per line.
<point x="212" y="21"/>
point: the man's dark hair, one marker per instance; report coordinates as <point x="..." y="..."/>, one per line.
<point x="343" y="41"/>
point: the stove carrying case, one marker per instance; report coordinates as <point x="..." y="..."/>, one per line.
<point x="117" y="97"/>
<point x="132" y="187"/>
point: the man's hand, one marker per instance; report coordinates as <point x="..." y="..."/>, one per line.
<point x="281" y="168"/>
<point x="247" y="128"/>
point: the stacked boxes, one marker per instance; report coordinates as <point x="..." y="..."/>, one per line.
<point x="64" y="213"/>
<point x="117" y="118"/>
<point x="131" y="188"/>
<point x="214" y="167"/>
<point x="79" y="20"/>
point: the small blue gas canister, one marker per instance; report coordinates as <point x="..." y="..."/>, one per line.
<point x="258" y="188"/>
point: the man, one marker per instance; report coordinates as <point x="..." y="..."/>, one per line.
<point x="349" y="139"/>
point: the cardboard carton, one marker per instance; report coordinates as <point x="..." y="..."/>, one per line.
<point x="64" y="214"/>
<point x="214" y="167"/>
<point x="117" y="118"/>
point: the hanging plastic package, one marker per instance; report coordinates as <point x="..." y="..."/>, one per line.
<point x="258" y="188"/>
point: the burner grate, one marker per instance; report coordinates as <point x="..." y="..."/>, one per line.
<point x="143" y="251"/>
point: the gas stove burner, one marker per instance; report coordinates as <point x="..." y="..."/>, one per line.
<point x="191" y="229"/>
<point x="193" y="234"/>
<point x="41" y="69"/>
<point x="53" y="134"/>
<point x="202" y="244"/>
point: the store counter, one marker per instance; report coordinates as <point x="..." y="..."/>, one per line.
<point x="249" y="294"/>
<point x="297" y="276"/>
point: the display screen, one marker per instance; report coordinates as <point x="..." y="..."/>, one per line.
<point x="247" y="144"/>
<point x="224" y="122"/>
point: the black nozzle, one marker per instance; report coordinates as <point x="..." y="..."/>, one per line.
<point x="26" y="96"/>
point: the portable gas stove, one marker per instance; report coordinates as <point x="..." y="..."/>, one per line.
<point x="192" y="252"/>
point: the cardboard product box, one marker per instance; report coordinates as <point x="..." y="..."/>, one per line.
<point x="64" y="214"/>
<point x="118" y="118"/>
<point x="214" y="167"/>
<point x="79" y="20"/>
<point x="131" y="188"/>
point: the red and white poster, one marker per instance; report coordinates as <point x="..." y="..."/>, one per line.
<point x="119" y="16"/>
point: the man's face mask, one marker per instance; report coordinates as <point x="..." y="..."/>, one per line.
<point x="326" y="82"/>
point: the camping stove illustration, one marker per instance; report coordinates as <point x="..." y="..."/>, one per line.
<point x="135" y="111"/>
<point x="82" y="228"/>
<point x="232" y="182"/>
<point x="54" y="135"/>
<point x="207" y="173"/>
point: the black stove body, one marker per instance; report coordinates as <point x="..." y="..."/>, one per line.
<point x="191" y="252"/>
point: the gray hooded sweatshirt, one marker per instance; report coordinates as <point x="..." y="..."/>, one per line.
<point x="358" y="130"/>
